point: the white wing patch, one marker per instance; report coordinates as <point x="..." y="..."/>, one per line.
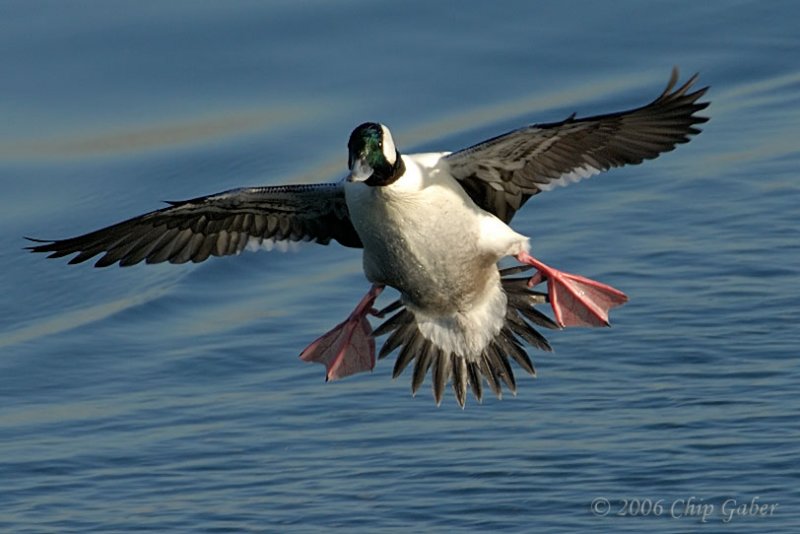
<point x="389" y="150"/>
<point x="255" y="244"/>
<point x="576" y="175"/>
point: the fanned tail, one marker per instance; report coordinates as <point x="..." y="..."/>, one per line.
<point x="492" y="366"/>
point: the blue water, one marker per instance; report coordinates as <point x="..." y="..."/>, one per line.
<point x="170" y="398"/>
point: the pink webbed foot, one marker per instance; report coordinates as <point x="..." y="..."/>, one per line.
<point x="349" y="347"/>
<point x="576" y="301"/>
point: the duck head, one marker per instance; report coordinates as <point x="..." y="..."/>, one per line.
<point x="373" y="157"/>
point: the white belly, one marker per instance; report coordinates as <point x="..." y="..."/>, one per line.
<point x="425" y="237"/>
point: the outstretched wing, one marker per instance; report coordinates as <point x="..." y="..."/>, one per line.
<point x="501" y="174"/>
<point x="218" y="225"/>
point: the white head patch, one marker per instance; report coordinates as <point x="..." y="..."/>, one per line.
<point x="361" y="171"/>
<point x="389" y="150"/>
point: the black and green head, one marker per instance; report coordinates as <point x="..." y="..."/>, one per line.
<point x="373" y="157"/>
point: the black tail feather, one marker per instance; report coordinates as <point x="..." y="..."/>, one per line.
<point x="492" y="366"/>
<point x="405" y="328"/>
<point x="390" y="324"/>
<point x="490" y="374"/>
<point x="441" y="376"/>
<point x="474" y="376"/>
<point x="408" y="353"/>
<point x="460" y="378"/>
<point x="423" y="363"/>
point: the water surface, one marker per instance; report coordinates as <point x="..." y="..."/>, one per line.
<point x="170" y="398"/>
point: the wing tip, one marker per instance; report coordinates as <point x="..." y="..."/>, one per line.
<point x="668" y="94"/>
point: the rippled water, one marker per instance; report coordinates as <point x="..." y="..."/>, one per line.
<point x="170" y="398"/>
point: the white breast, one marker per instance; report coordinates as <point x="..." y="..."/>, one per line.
<point x="425" y="237"/>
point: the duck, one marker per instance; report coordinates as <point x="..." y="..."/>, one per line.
<point x="433" y="226"/>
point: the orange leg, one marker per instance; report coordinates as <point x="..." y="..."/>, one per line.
<point x="349" y="347"/>
<point x="576" y="301"/>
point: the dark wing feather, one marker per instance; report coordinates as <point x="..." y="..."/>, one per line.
<point x="217" y="225"/>
<point x="501" y="174"/>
